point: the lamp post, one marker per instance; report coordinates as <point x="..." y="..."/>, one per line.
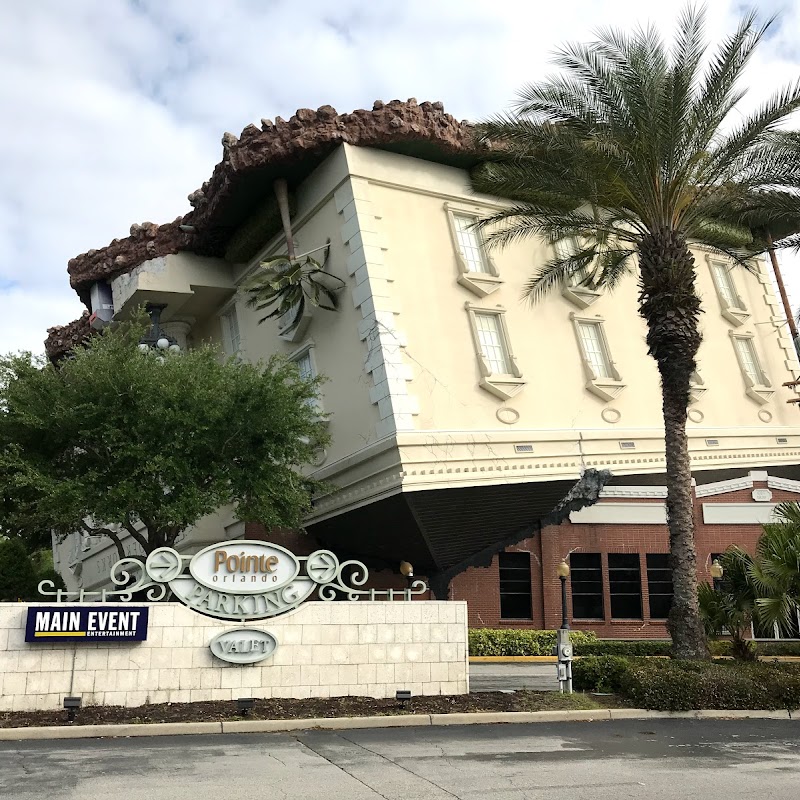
<point x="563" y="574"/>
<point x="716" y="574"/>
<point x="563" y="644"/>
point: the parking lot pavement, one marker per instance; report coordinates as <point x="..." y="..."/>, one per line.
<point x="512" y="677"/>
<point x="662" y="759"/>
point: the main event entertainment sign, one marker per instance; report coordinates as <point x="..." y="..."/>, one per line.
<point x="78" y="623"/>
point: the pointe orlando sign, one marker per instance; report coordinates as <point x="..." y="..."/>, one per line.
<point x="241" y="580"/>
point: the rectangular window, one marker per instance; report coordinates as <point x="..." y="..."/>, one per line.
<point x="305" y="366"/>
<point x="659" y="585"/>
<point x="625" y="585"/>
<point x="725" y="285"/>
<point x="594" y="348"/>
<point x="569" y="247"/>
<point x="492" y="343"/>
<point x="231" y="339"/>
<point x="515" y="586"/>
<point x="469" y="243"/>
<point x="586" y="583"/>
<point x="749" y="360"/>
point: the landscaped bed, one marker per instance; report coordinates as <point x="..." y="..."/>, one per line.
<point x="216" y="711"/>
<point x="665" y="685"/>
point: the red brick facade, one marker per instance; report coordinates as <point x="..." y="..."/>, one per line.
<point x="480" y="587"/>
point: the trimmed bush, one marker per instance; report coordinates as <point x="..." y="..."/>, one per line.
<point x="621" y="647"/>
<point x="599" y="673"/>
<point x="516" y="642"/>
<point x="666" y="685"/>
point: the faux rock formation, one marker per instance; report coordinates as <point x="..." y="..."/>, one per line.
<point x="63" y="338"/>
<point x="278" y="144"/>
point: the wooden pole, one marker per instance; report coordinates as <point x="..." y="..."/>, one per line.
<point x="282" y="195"/>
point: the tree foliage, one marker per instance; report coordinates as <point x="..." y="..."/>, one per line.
<point x="283" y="285"/>
<point x="119" y="440"/>
<point x="18" y="579"/>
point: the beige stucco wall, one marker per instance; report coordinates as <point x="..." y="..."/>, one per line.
<point x="325" y="649"/>
<point x="412" y="196"/>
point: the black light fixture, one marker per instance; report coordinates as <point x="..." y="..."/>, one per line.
<point x="156" y="339"/>
<point x="72" y="704"/>
<point x="403" y="696"/>
<point x="245" y="705"/>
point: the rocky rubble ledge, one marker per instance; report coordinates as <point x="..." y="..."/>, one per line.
<point x="277" y="144"/>
<point x="62" y="338"/>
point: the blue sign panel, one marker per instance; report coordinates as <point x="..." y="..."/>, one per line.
<point x="100" y="623"/>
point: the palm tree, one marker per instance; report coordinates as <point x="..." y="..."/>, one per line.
<point x="775" y="570"/>
<point x="729" y="610"/>
<point x="629" y="153"/>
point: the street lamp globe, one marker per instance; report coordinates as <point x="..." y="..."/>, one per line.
<point x="144" y="347"/>
<point x="162" y="343"/>
<point x="563" y="570"/>
<point x="716" y="570"/>
<point x="174" y="348"/>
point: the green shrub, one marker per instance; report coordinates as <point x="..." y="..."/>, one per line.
<point x="516" y="642"/>
<point x="666" y="685"/>
<point x="621" y="647"/>
<point x="599" y="673"/>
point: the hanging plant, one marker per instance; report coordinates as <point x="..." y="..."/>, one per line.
<point x="284" y="285"/>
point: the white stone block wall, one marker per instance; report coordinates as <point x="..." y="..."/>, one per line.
<point x="325" y="649"/>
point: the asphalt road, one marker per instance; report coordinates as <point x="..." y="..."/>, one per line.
<point x="511" y="677"/>
<point x="664" y="759"/>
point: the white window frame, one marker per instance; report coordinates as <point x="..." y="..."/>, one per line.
<point x="308" y="350"/>
<point x="479" y="283"/>
<point x="230" y="310"/>
<point x="737" y="313"/>
<point x="506" y="385"/>
<point x="697" y="386"/>
<point x="760" y="391"/>
<point x="606" y="388"/>
<point x="572" y="290"/>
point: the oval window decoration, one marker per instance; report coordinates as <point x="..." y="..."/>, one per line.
<point x="243" y="645"/>
<point x="244" y="567"/>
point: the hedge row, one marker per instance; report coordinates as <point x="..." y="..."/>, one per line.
<point x="513" y="642"/>
<point x="667" y="685"/>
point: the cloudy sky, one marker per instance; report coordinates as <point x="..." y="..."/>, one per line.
<point x="113" y="110"/>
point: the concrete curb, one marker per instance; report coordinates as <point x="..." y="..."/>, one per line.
<point x="348" y="723"/>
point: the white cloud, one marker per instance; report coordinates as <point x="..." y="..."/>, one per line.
<point x="113" y="112"/>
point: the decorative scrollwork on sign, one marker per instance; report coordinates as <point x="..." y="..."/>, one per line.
<point x="245" y="579"/>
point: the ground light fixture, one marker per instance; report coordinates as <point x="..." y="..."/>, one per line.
<point x="403" y="696"/>
<point x="245" y="705"/>
<point x="72" y="704"/>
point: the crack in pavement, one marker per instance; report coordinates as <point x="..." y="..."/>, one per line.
<point x="405" y="769"/>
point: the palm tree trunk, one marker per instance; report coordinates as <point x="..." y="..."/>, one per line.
<point x="670" y="306"/>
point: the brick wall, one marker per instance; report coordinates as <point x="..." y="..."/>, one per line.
<point x="325" y="649"/>
<point x="480" y="587"/>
